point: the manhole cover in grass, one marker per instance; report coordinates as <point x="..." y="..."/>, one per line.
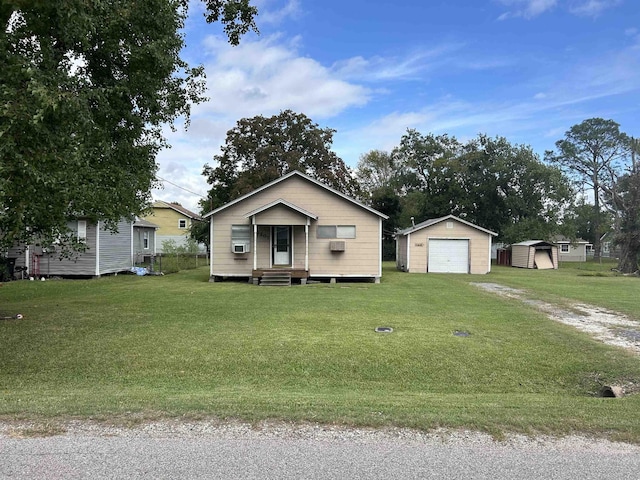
<point x="459" y="333"/>
<point x="384" y="329"/>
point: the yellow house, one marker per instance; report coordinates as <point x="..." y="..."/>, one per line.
<point x="295" y="227"/>
<point x="173" y="221"/>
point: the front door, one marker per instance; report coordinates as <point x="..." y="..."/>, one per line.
<point x="281" y="246"/>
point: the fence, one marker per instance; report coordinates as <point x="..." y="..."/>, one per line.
<point x="173" y="262"/>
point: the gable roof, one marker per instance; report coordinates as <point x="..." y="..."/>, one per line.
<point x="531" y="243"/>
<point x="287" y="176"/>
<point x="141" y="222"/>
<point x="177" y="208"/>
<point x="280" y="201"/>
<point x="563" y="239"/>
<point x="433" y="221"/>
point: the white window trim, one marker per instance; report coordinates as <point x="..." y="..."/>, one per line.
<point x="339" y="231"/>
<point x="180" y="223"/>
<point x="81" y="234"/>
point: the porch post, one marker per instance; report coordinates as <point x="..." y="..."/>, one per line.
<point x="255" y="243"/>
<point x="306" y="245"/>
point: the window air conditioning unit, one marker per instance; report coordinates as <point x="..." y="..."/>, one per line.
<point x="240" y="247"/>
<point x="337" y="246"/>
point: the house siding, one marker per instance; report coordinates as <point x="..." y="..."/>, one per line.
<point x="115" y="249"/>
<point x="401" y="252"/>
<point x="362" y="255"/>
<point x="280" y="215"/>
<point x="138" y="241"/>
<point x="522" y="256"/>
<point x="576" y="253"/>
<point x="114" y="254"/>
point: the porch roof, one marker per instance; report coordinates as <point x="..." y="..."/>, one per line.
<point x="283" y="202"/>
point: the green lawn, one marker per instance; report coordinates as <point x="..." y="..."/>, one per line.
<point x="173" y="346"/>
<point x="589" y="282"/>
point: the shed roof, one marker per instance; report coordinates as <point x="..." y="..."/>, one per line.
<point x="433" y="221"/>
<point x="281" y="201"/>
<point x="141" y="222"/>
<point x="285" y="177"/>
<point x="533" y="243"/>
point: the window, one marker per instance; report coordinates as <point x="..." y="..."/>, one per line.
<point x="240" y="238"/>
<point x="564" y="248"/>
<point x="82" y="231"/>
<point x="336" y="231"/>
<point x="145" y="240"/>
<point x="182" y="223"/>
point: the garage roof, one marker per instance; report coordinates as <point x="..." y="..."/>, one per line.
<point x="433" y="221"/>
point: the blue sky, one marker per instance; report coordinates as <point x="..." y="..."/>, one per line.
<point x="524" y="69"/>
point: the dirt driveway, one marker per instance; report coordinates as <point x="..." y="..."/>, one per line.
<point x="607" y="326"/>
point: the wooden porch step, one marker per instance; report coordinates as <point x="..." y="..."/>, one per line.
<point x="274" y="278"/>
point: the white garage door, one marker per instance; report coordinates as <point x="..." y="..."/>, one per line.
<point x="448" y="256"/>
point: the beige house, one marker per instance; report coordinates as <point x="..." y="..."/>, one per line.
<point x="173" y="222"/>
<point x="444" y="245"/>
<point x="299" y="228"/>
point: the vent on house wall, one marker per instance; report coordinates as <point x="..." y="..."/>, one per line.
<point x="337" y="246"/>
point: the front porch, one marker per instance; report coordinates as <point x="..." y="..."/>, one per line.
<point x="278" y="276"/>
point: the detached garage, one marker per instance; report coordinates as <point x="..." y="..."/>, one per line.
<point x="444" y="245"/>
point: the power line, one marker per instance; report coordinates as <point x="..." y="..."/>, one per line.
<point x="178" y="186"/>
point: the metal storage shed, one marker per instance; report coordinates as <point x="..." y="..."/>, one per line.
<point x="534" y="254"/>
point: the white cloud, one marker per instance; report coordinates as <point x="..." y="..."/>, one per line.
<point x="529" y="9"/>
<point x="276" y="16"/>
<point x="266" y="76"/>
<point x="259" y="77"/>
<point x="592" y="8"/>
<point x="414" y="66"/>
<point x="526" y="8"/>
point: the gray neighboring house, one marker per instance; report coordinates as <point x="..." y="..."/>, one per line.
<point x="144" y="240"/>
<point x="105" y="253"/>
<point x="571" y="250"/>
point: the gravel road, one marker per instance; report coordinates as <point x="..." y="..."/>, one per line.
<point x="168" y="450"/>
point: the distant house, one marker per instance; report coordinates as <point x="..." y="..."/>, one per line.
<point x="607" y="248"/>
<point x="173" y="222"/>
<point x="296" y="227"/>
<point x="106" y="252"/>
<point x="571" y="250"/>
<point x="444" y="245"/>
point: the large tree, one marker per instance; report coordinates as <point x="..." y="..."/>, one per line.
<point x="261" y="149"/>
<point x="378" y="177"/>
<point x="488" y="181"/>
<point x="590" y="152"/>
<point x="85" y="88"/>
<point x="622" y="195"/>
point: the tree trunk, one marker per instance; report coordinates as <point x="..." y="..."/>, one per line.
<point x="629" y="248"/>
<point x="596" y="219"/>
